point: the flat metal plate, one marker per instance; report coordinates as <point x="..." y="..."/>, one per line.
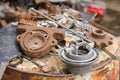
<point x="9" y="47"/>
<point x="87" y="16"/>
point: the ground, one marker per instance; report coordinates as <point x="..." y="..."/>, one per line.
<point x="111" y="19"/>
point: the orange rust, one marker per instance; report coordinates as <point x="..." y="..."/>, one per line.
<point x="99" y="75"/>
<point x="13" y="74"/>
<point x="114" y="74"/>
<point x="26" y="18"/>
<point x="54" y="9"/>
<point x="106" y="73"/>
<point x="27" y="22"/>
<point x="29" y="18"/>
<point x="50" y="8"/>
<point x="37" y="42"/>
<point x="100" y="37"/>
<point x="102" y="72"/>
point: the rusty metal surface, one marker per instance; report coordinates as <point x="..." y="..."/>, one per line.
<point x="100" y="37"/>
<point x="29" y="18"/>
<point x="37" y="42"/>
<point x="105" y="73"/>
<point x="108" y="72"/>
<point x="31" y="71"/>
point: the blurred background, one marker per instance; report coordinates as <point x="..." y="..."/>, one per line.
<point x="108" y="11"/>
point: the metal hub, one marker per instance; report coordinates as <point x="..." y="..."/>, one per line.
<point x="98" y="34"/>
<point x="79" y="57"/>
<point x="35" y="40"/>
<point x="101" y="38"/>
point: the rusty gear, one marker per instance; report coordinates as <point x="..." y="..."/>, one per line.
<point x="101" y="38"/>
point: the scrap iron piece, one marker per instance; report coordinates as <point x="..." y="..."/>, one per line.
<point x="101" y="38"/>
<point x="8" y="46"/>
<point x="28" y="18"/>
<point x="37" y="42"/>
<point x="25" y="18"/>
<point x="79" y="57"/>
<point x="76" y="33"/>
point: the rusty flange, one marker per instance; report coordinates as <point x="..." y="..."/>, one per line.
<point x="101" y="38"/>
<point x="37" y="42"/>
<point x="29" y="18"/>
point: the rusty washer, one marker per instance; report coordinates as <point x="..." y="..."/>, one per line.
<point x="37" y="42"/>
<point x="100" y="38"/>
<point x="79" y="59"/>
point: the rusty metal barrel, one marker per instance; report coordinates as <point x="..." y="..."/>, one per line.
<point x="108" y="72"/>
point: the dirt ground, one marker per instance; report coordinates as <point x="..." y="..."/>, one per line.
<point x="111" y="20"/>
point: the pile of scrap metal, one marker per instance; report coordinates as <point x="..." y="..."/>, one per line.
<point x="55" y="41"/>
<point x="10" y="9"/>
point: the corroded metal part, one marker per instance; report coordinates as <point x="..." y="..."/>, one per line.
<point x="27" y="65"/>
<point x="47" y="17"/>
<point x="101" y="38"/>
<point x="37" y="42"/>
<point x="108" y="72"/>
<point x="28" y="18"/>
<point x="79" y="57"/>
<point x="52" y="66"/>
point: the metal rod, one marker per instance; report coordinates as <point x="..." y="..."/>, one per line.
<point x="76" y="33"/>
<point x="42" y="14"/>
